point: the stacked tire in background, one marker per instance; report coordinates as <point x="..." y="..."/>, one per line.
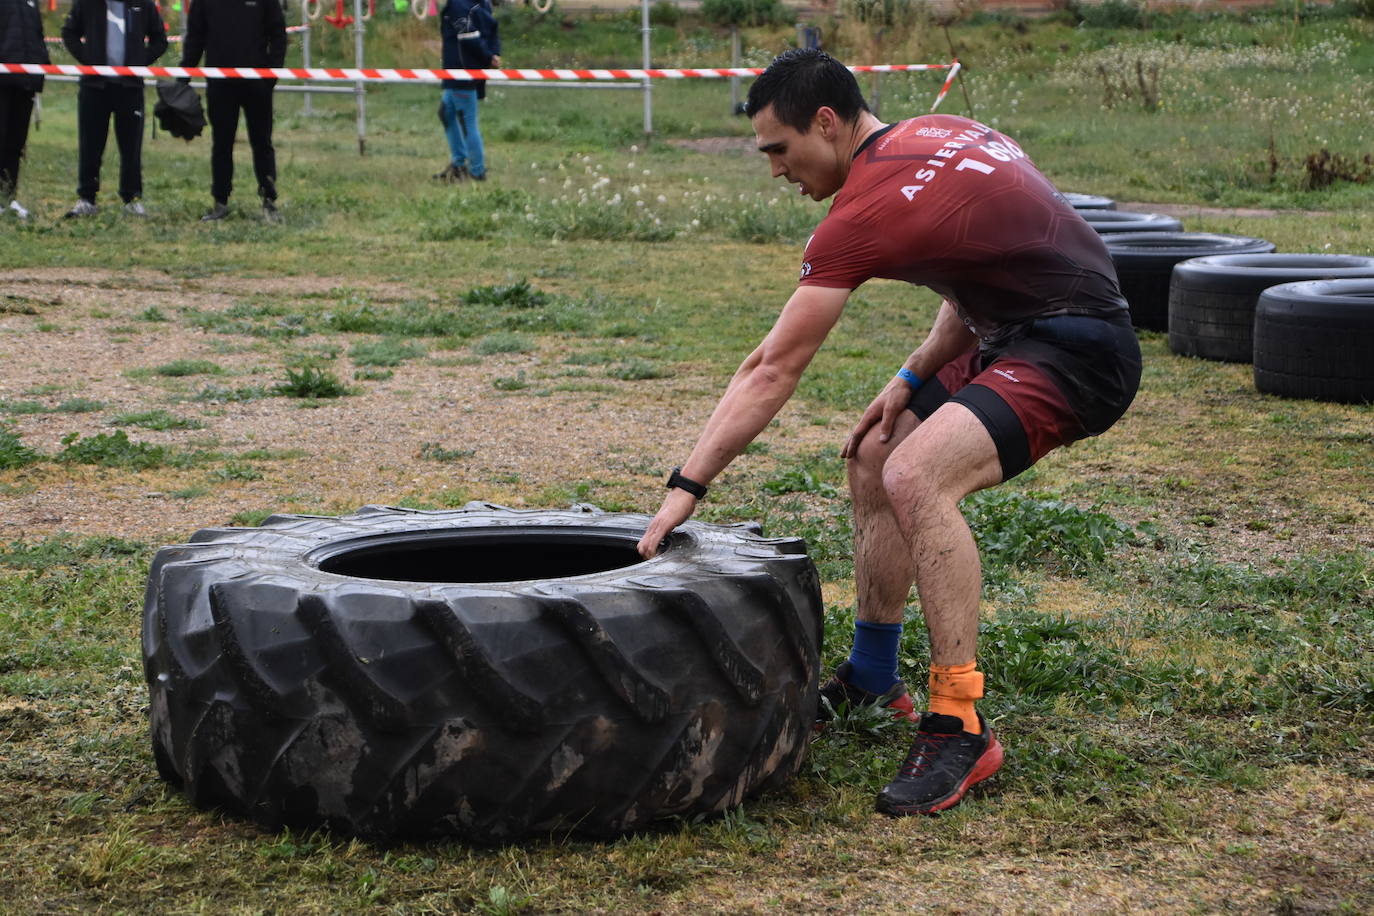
<point x="1315" y="339"/>
<point x="1306" y="321"/>
<point x="1145" y="265"/>
<point x="1212" y="300"/>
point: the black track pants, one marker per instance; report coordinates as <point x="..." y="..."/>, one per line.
<point x="224" y="99"/>
<point x="95" y="105"/>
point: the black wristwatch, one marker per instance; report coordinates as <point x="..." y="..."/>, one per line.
<point x="675" y="479"/>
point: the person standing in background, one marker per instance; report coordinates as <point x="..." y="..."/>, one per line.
<point x="119" y="33"/>
<point x="238" y="33"/>
<point x="21" y="42"/>
<point x="472" y="41"/>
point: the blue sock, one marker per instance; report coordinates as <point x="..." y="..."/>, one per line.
<point x="874" y="655"/>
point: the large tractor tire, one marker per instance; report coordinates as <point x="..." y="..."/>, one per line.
<point x="1145" y="262"/>
<point x="1316" y="340"/>
<point x="1212" y="300"/>
<point x="482" y="673"/>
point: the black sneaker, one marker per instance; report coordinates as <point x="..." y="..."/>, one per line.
<point x="216" y="213"/>
<point x="840" y="693"/>
<point x="451" y="174"/>
<point x="943" y="762"/>
<point x="270" y="213"/>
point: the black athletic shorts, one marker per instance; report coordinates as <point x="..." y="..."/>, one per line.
<point x="1056" y="381"/>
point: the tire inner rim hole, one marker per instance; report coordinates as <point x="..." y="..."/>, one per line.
<point x="483" y="555"/>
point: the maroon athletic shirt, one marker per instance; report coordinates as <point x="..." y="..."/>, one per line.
<point x="948" y="203"/>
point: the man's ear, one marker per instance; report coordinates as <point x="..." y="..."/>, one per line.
<point x="826" y="121"/>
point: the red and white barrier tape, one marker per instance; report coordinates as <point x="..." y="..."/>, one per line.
<point x="954" y="66"/>
<point x="371" y="75"/>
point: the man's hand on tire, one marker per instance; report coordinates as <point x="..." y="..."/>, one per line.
<point x="677" y="507"/>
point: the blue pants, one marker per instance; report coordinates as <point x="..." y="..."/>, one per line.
<point x="458" y="111"/>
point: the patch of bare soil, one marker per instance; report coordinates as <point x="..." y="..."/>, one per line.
<point x="621" y="438"/>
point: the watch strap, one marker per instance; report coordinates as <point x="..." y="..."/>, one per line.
<point x="677" y="481"/>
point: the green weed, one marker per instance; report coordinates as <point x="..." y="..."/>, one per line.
<point x="79" y="405"/>
<point x="155" y="420"/>
<point x="433" y="451"/>
<point x="217" y="394"/>
<point x="389" y="351"/>
<point x="22" y="407"/>
<point x="113" y="450"/>
<point x="518" y="295"/>
<point x="311" y="382"/>
<point x="236" y="471"/>
<point x="510" y="382"/>
<point x="800" y="480"/>
<point x="503" y="342"/>
<point x="635" y="370"/>
<point x="1015" y="530"/>
<point x="13" y="452"/>
<point x="251" y="518"/>
<point x="184" y="367"/>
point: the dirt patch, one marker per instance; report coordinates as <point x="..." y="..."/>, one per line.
<point x="614" y="440"/>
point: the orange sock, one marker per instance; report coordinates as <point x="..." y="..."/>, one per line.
<point x="953" y="688"/>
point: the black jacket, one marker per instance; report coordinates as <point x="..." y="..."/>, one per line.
<point x="235" y="33"/>
<point x="145" y="38"/>
<point x="21" y="42"/>
<point x="471" y="40"/>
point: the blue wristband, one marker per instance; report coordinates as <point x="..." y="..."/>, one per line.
<point x="911" y="378"/>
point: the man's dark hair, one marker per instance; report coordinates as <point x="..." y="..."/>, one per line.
<point x="802" y="80"/>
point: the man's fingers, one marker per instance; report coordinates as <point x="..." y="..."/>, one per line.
<point x="648" y="545"/>
<point x="885" y="425"/>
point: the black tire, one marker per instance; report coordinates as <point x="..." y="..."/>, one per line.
<point x="1315" y="340"/>
<point x="483" y="673"/>
<point x="1145" y="261"/>
<point x="1108" y="221"/>
<point x="1212" y="300"/>
<point x="1089" y="201"/>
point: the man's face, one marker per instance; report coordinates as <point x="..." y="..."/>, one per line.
<point x="805" y="159"/>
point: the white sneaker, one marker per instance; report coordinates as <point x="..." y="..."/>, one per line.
<point x="83" y="207"/>
<point x="19" y="210"/>
<point x="135" y="208"/>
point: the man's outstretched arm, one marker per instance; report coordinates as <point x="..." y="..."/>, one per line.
<point x="759" y="389"/>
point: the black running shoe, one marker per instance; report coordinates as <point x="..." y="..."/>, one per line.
<point x="943" y="762"/>
<point x="841" y="693"/>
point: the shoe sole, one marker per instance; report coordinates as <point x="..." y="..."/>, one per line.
<point x="987" y="764"/>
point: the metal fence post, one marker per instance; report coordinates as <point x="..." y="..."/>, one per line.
<point x="648" y="83"/>
<point x="360" y="88"/>
<point x="305" y="52"/>
<point x="734" y="62"/>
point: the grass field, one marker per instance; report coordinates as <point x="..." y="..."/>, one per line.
<point x="1178" y="630"/>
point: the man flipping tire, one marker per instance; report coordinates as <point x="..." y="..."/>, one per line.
<point x="1032" y="348"/>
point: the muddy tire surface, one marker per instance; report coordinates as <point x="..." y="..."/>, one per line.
<point x="481" y="673"/>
